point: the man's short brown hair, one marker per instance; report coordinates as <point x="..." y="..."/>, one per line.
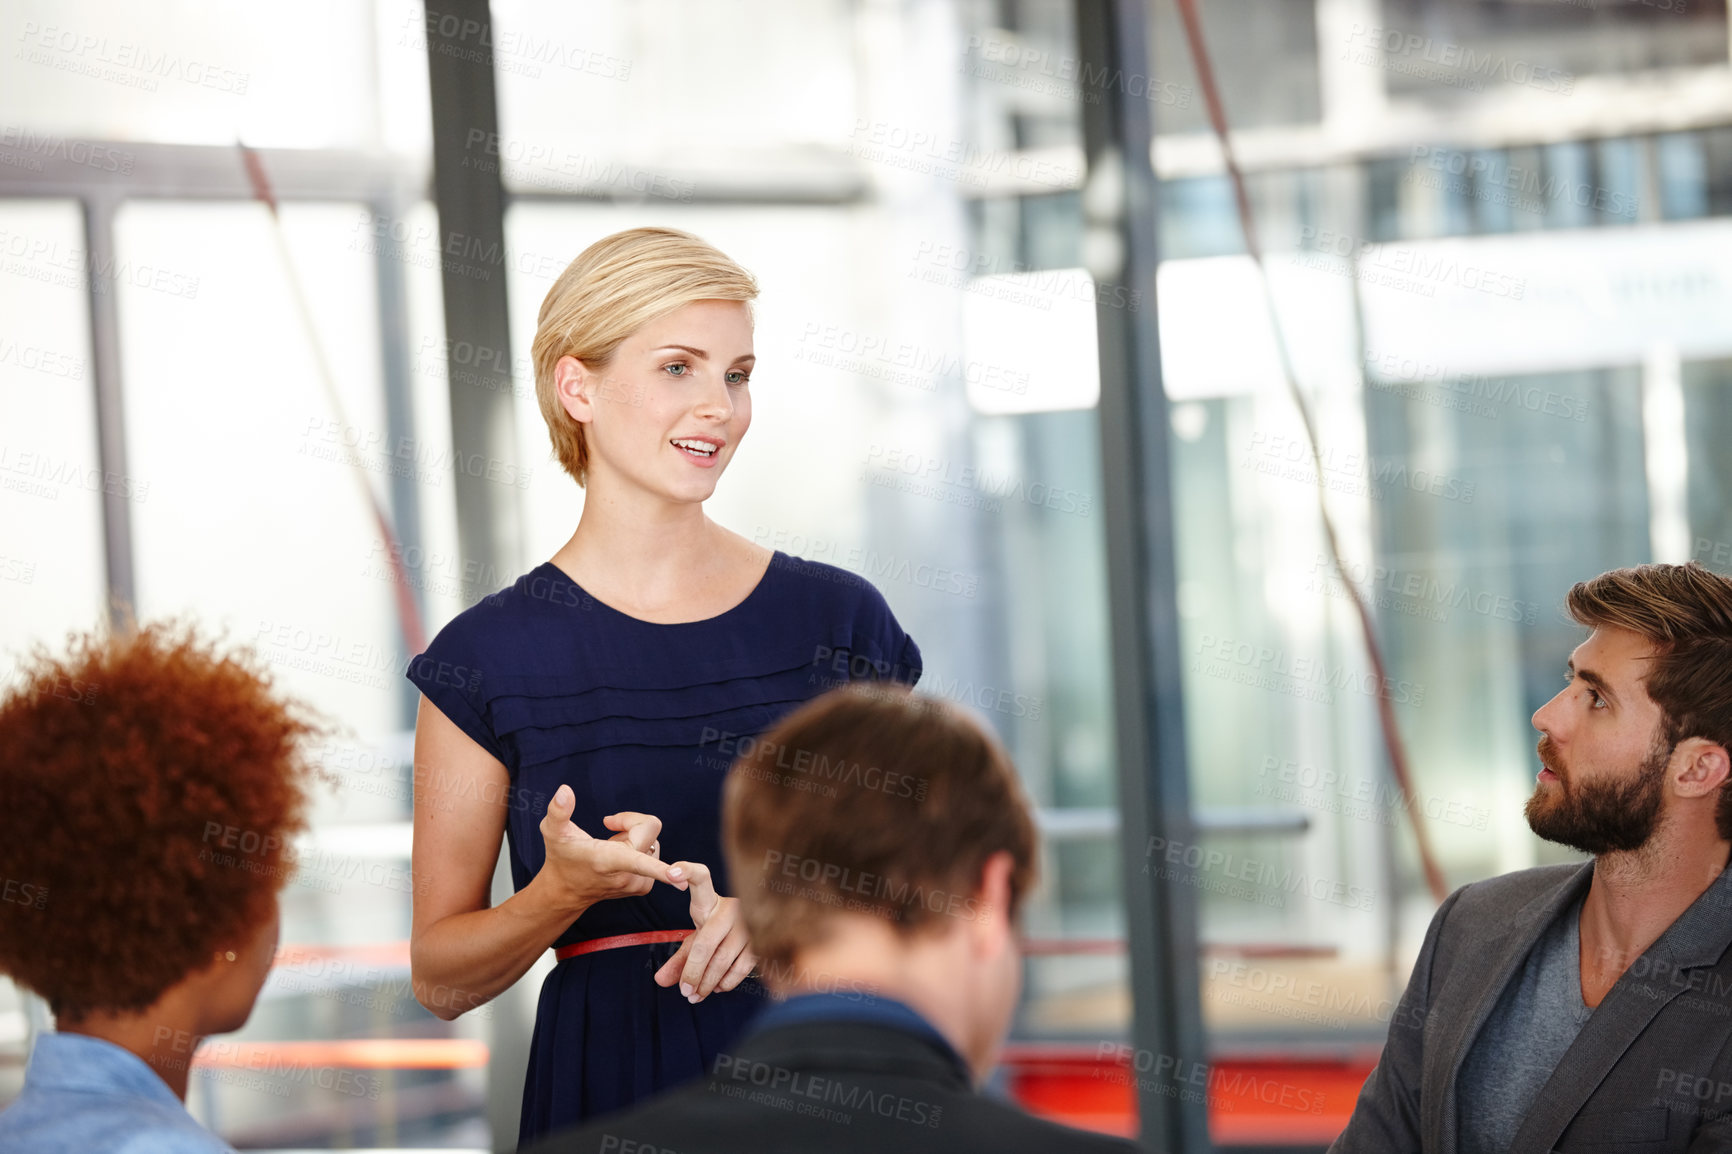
<point x="870" y="799"/>
<point x="1686" y="612"/>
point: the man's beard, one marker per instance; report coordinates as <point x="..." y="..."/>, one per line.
<point x="1599" y="817"/>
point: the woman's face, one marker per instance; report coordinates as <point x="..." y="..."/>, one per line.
<point x="670" y="409"/>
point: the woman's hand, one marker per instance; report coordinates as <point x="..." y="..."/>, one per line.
<point x="592" y="870"/>
<point x="716" y="957"/>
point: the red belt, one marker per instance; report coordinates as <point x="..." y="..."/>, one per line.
<point x="648" y="937"/>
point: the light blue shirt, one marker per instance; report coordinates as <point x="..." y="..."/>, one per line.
<point x="83" y="1094"/>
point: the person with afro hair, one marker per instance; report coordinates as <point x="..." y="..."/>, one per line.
<point x="149" y="789"/>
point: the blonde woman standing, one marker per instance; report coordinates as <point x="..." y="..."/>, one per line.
<point x="588" y="712"/>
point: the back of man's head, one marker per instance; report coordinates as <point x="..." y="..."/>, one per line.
<point x="870" y="800"/>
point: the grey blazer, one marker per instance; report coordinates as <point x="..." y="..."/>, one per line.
<point x="1651" y="1070"/>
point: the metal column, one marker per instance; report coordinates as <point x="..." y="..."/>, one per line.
<point x="471" y="205"/>
<point x="1153" y="789"/>
<point x="403" y="486"/>
<point x="100" y="255"/>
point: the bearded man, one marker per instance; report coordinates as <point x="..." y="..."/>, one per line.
<point x="1588" y="1007"/>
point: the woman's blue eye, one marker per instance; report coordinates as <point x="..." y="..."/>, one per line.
<point x="738" y="378"/>
<point x="676" y="365"/>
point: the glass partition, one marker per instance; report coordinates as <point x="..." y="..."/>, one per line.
<point x="1504" y="295"/>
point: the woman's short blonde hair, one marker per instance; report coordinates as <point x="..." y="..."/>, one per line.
<point x="615" y="287"/>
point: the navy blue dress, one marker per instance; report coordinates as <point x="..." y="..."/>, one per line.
<point x="638" y="716"/>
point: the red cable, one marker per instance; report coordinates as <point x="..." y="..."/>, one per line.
<point x="408" y="613"/>
<point x="1392" y="742"/>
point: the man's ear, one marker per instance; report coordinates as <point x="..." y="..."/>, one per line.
<point x="574" y="383"/>
<point x="992" y="925"/>
<point x="1703" y="766"/>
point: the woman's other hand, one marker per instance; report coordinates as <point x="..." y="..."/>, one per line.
<point x="718" y="956"/>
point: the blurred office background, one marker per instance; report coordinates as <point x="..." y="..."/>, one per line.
<point x="1500" y="234"/>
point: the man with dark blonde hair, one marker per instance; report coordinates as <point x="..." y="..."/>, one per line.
<point x="1589" y="1007"/>
<point x="882" y="848"/>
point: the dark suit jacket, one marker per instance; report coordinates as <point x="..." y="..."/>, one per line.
<point x="823" y="1087"/>
<point x="1651" y="1070"/>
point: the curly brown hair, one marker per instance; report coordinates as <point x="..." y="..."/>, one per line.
<point x="148" y="788"/>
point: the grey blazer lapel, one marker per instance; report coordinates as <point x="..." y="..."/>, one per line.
<point x="1478" y="974"/>
<point x="1698" y="938"/>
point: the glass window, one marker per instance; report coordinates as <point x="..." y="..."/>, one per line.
<point x="1454" y="52"/>
<point x="51" y="479"/>
<point x="1515" y="337"/>
<point x="331" y="77"/>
